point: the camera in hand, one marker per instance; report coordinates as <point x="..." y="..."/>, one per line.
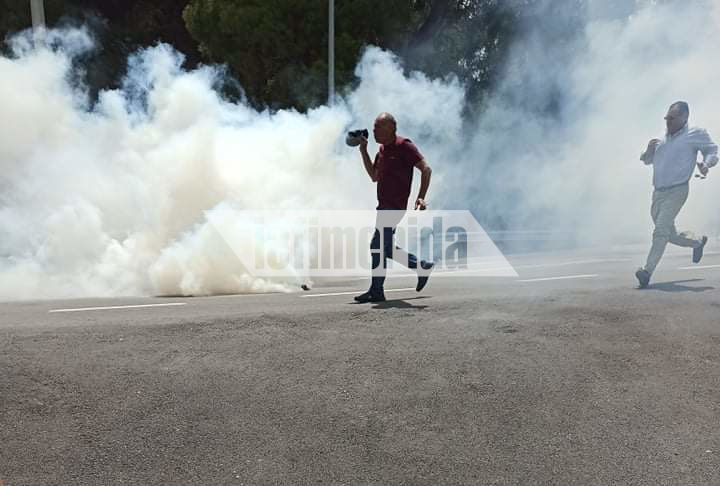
<point x="354" y="137"/>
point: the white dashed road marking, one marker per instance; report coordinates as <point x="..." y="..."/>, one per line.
<point x="699" y="267"/>
<point x="576" y="262"/>
<point x="83" y="309"/>
<point x="568" y="277"/>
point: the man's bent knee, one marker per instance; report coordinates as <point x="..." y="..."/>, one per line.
<point x="662" y="234"/>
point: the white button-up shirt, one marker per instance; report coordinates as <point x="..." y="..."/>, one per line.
<point x="676" y="155"/>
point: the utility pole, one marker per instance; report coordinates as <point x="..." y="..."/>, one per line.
<point x="331" y="52"/>
<point x="37" y="10"/>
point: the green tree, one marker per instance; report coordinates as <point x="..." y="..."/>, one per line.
<point x="278" y="48"/>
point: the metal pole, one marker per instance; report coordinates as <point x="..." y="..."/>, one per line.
<point x="331" y="52"/>
<point x="37" y="10"/>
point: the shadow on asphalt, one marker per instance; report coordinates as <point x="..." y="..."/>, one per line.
<point x="676" y="287"/>
<point x="397" y="304"/>
<point x="401" y="304"/>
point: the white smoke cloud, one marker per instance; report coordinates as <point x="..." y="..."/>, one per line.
<point x="576" y="169"/>
<point x="110" y="200"/>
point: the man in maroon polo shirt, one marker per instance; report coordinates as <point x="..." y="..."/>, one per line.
<point x="392" y="170"/>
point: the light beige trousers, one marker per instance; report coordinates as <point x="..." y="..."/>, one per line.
<point x="666" y="204"/>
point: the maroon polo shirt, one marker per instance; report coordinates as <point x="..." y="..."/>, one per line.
<point x="395" y="163"/>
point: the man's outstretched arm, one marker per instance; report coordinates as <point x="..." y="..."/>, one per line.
<point x="426" y="173"/>
<point x="709" y="149"/>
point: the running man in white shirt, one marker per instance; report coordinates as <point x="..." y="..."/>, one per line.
<point x="673" y="159"/>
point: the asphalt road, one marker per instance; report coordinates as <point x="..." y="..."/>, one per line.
<point x="579" y="380"/>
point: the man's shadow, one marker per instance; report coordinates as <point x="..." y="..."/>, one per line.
<point x="675" y="286"/>
<point x="399" y="304"/>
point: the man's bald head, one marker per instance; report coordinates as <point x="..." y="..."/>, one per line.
<point x="386" y="118"/>
<point x="385" y="129"/>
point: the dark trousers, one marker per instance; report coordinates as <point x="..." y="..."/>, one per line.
<point x="388" y="250"/>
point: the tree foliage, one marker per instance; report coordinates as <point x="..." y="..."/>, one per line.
<point x="277" y="49"/>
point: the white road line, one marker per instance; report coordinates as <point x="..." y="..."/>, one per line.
<point x="568" y="277"/>
<point x="353" y="292"/>
<point x="699" y="267"/>
<point x="481" y="267"/>
<point x="576" y="262"/>
<point x="480" y="272"/>
<point x="83" y="309"/>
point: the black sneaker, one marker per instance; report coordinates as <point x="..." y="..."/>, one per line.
<point x="423" y="279"/>
<point x="370" y="297"/>
<point x="643" y="277"/>
<point x="698" y="252"/>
